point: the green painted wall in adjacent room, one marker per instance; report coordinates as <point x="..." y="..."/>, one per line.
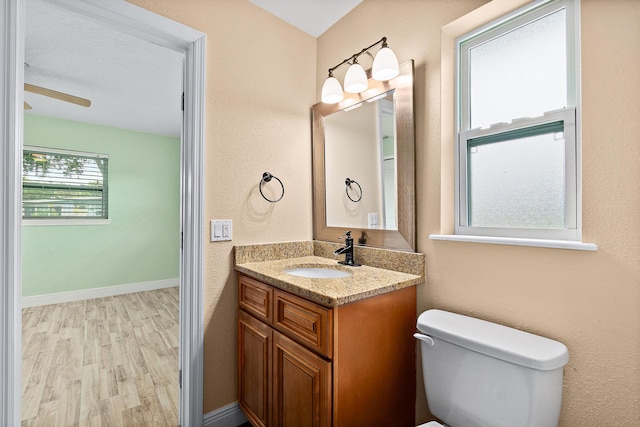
<point x="141" y="242"/>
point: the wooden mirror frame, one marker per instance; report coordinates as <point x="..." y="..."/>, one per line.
<point x="404" y="237"/>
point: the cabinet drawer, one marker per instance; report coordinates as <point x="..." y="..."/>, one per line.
<point x="256" y="298"/>
<point x="305" y="322"/>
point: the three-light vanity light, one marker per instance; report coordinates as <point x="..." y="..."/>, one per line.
<point x="385" y="67"/>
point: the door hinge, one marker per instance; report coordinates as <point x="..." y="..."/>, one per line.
<point x="180" y="378"/>
<point x="182" y="240"/>
<point x="182" y="105"/>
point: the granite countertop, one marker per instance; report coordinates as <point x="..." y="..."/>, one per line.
<point x="365" y="281"/>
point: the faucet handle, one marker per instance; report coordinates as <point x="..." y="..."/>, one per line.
<point x="346" y="235"/>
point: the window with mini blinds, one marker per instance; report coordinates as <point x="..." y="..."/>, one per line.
<point x="517" y="159"/>
<point x="61" y="184"/>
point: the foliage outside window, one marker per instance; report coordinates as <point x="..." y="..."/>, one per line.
<point x="60" y="184"/>
<point x="517" y="156"/>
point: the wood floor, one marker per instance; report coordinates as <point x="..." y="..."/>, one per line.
<point x="103" y="362"/>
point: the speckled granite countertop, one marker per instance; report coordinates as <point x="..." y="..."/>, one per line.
<point x="365" y="282"/>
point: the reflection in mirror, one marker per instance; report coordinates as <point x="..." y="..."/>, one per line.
<point x="370" y="139"/>
<point x="361" y="143"/>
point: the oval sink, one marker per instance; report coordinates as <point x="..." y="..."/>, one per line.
<point x="318" y="273"/>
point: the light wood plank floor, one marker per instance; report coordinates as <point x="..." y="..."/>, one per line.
<point x="102" y="362"/>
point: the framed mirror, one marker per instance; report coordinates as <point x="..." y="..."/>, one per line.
<point x="364" y="165"/>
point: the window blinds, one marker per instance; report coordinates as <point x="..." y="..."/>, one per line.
<point x="59" y="184"/>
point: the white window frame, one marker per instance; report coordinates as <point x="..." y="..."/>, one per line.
<point x="569" y="115"/>
<point x="68" y="220"/>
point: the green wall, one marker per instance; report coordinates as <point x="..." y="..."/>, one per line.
<point x="141" y="242"/>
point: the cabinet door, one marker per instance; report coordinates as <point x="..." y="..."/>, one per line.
<point x="302" y="386"/>
<point x="254" y="368"/>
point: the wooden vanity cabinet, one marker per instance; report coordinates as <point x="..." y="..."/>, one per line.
<point x="302" y="364"/>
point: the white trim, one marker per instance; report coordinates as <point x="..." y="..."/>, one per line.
<point x="65" y="151"/>
<point x="504" y="24"/>
<point x="570" y="116"/>
<point x="227" y="416"/>
<point x="106" y="291"/>
<point x="139" y="22"/>
<point x="571" y="231"/>
<point x="11" y="99"/>
<point x="501" y="20"/>
<point x="192" y="208"/>
<point x="556" y="244"/>
<point x="135" y="21"/>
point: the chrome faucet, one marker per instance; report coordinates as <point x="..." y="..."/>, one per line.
<point x="347" y="250"/>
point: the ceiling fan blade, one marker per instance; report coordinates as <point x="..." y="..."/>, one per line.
<point x="27" y="106"/>
<point x="57" y="95"/>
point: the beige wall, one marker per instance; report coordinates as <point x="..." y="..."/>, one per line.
<point x="588" y="300"/>
<point x="261" y="80"/>
<point x="259" y="89"/>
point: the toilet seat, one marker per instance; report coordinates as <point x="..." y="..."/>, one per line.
<point x="431" y="424"/>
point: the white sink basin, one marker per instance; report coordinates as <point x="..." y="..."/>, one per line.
<point x="318" y="273"/>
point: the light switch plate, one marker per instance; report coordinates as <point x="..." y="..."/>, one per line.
<point x="221" y="230"/>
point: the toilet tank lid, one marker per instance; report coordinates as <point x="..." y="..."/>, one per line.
<point x="491" y="339"/>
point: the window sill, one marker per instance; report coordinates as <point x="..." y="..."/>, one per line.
<point x="556" y="244"/>
<point x="56" y="222"/>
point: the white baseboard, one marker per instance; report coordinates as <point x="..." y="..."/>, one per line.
<point x="107" y="291"/>
<point x="227" y="416"/>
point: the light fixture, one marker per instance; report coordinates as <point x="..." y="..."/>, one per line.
<point x="385" y="67"/>
<point x="355" y="81"/>
<point x="331" y="90"/>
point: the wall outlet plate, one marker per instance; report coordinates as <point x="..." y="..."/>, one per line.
<point x="372" y="220"/>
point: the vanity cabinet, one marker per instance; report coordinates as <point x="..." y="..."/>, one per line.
<point x="281" y="382"/>
<point x="303" y="364"/>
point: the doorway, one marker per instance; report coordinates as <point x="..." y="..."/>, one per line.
<point x="148" y="26"/>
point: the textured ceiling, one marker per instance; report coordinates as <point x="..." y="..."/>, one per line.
<point x="311" y="16"/>
<point x="132" y="84"/>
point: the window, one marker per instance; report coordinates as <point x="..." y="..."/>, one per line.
<point x="63" y="185"/>
<point x="517" y="160"/>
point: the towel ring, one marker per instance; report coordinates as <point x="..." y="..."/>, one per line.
<point x="266" y="177"/>
<point x="348" y="183"/>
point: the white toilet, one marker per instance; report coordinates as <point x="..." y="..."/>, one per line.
<point x="478" y="373"/>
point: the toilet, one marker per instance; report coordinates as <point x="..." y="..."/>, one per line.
<point x="481" y="374"/>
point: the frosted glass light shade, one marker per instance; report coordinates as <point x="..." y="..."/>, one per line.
<point x="332" y="91"/>
<point x="355" y="81"/>
<point x="385" y="65"/>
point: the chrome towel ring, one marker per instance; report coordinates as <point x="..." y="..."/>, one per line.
<point x="266" y="177"/>
<point x="348" y="183"/>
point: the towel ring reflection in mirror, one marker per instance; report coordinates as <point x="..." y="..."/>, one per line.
<point x="348" y="183"/>
<point x="266" y="177"/>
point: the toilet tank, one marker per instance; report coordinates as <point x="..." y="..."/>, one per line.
<point x="478" y="373"/>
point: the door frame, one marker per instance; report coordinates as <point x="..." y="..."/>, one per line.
<point x="149" y="26"/>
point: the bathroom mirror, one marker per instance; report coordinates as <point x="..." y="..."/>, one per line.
<point x="368" y="138"/>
